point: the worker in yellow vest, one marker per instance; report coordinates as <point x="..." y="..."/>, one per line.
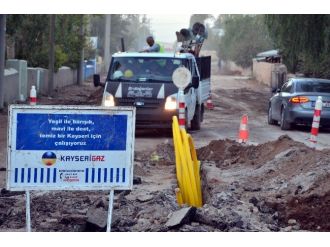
<point x="153" y="46"/>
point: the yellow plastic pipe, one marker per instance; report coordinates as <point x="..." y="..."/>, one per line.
<point x="184" y="177"/>
<point x="189" y="167"/>
<point x="196" y="168"/>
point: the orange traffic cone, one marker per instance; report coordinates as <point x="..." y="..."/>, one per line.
<point x="209" y="104"/>
<point x="243" y="134"/>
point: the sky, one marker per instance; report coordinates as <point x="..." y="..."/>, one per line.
<point x="165" y="26"/>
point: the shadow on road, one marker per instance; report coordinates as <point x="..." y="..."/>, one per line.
<point x="303" y="128"/>
<point x="153" y="133"/>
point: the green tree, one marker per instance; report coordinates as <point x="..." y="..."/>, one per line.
<point x="30" y="34"/>
<point x="304" y="41"/>
<point x="244" y="37"/>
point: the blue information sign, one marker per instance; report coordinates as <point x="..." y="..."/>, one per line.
<point x="70" y="147"/>
<point x="37" y="131"/>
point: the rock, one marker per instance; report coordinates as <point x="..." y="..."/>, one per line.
<point x="292" y="222"/>
<point x="49" y="220"/>
<point x="296" y="227"/>
<point x="273" y="228"/>
<point x="287" y="229"/>
<point x="209" y="215"/>
<point x="101" y="203"/>
<point x="255" y="210"/>
<point x="195" y="224"/>
<point x="180" y="217"/>
<point x="137" y="180"/>
<point x="251" y="188"/>
<point x="97" y="218"/>
<point x="254" y="201"/>
<point x="221" y="199"/>
<point x="82" y="211"/>
<point x="286" y="153"/>
<point x="144" y="198"/>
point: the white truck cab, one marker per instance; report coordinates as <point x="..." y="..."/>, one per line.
<point x="144" y="80"/>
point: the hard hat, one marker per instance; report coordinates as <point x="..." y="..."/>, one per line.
<point x="128" y="73"/>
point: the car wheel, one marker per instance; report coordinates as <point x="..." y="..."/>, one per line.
<point x="196" y="121"/>
<point x="202" y="112"/>
<point x="285" y="125"/>
<point x="271" y="121"/>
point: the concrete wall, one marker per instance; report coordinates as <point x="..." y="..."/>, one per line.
<point x="262" y="71"/>
<point x="11" y="85"/>
<point x="271" y="74"/>
<point x="21" y="67"/>
<point x="39" y="78"/>
<point x="64" y="77"/>
<point x="19" y="79"/>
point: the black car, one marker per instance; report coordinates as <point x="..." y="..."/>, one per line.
<point x="294" y="103"/>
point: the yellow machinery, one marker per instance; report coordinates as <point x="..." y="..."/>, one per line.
<point x="187" y="167"/>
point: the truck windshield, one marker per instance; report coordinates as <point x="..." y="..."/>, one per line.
<point x="142" y="69"/>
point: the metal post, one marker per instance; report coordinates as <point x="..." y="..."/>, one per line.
<point x="107" y="41"/>
<point x="182" y="109"/>
<point x="51" y="55"/>
<point x="80" y="75"/>
<point x="28" y="213"/>
<point x="110" y="210"/>
<point x="2" y="57"/>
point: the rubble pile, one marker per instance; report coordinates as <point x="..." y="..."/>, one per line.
<point x="283" y="183"/>
<point x="277" y="186"/>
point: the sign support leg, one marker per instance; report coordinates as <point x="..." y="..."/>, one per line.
<point x="110" y="210"/>
<point x="28" y="215"/>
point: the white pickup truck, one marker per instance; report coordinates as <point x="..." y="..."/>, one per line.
<point x="144" y="80"/>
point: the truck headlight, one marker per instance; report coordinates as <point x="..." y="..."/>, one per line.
<point x="108" y="100"/>
<point x="170" y="103"/>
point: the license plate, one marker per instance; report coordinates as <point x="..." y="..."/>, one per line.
<point x="139" y="103"/>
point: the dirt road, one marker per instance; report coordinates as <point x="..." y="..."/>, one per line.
<point x="234" y="96"/>
<point x="280" y="185"/>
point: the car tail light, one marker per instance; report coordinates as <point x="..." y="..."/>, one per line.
<point x="299" y="99"/>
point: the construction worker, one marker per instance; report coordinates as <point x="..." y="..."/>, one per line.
<point x="153" y="46"/>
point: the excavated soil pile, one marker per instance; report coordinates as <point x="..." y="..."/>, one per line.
<point x="85" y="94"/>
<point x="283" y="178"/>
<point x="277" y="186"/>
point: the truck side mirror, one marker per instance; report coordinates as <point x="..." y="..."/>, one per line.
<point x="195" y="82"/>
<point x="96" y="80"/>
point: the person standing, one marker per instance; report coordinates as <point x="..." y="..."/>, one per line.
<point x="153" y="46"/>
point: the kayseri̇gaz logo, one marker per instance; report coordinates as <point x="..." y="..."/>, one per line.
<point x="49" y="158"/>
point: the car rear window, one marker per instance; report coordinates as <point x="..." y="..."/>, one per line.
<point x="313" y="86"/>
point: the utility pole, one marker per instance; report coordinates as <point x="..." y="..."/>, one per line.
<point x="106" y="46"/>
<point x="51" y="55"/>
<point x="80" y="75"/>
<point x="2" y="58"/>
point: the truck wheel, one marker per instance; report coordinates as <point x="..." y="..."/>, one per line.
<point x="196" y="121"/>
